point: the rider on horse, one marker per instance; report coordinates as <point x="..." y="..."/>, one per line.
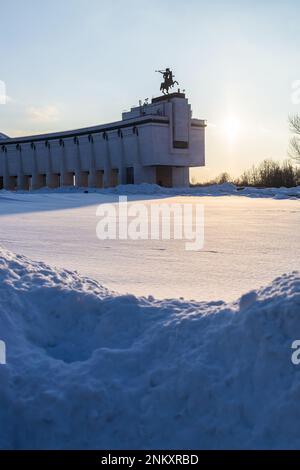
<point x="169" y="80"/>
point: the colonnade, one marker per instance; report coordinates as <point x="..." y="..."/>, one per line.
<point x="81" y="160"/>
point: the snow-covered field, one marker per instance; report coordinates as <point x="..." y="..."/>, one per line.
<point x="91" y="368"/>
<point x="248" y="241"/>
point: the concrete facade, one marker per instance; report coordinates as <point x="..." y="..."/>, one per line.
<point x="153" y="143"/>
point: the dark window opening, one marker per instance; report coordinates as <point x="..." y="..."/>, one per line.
<point x="130" y="175"/>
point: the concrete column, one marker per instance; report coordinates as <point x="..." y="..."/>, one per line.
<point x="99" y="179"/>
<point x="122" y="162"/>
<point x="62" y="163"/>
<point x="20" y="178"/>
<point x="49" y="181"/>
<point x="79" y="177"/>
<point x="6" y="179"/>
<point x="180" y="176"/>
<point x="121" y="175"/>
<point x="66" y="178"/>
<point x="37" y="179"/>
<point x="139" y="170"/>
<point x="144" y="173"/>
<point x="52" y="181"/>
<point x="92" y="166"/>
<point x="21" y="181"/>
<point x="138" y="146"/>
<point x="107" y="164"/>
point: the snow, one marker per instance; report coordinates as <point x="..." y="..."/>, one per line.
<point x="94" y="367"/>
<point x="89" y="368"/>
<point x="212" y="190"/>
<point x="249" y="241"/>
<point x="225" y="189"/>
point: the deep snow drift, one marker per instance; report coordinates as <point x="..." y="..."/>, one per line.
<point x="90" y="369"/>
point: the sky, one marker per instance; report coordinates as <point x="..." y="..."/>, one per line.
<point x="75" y="63"/>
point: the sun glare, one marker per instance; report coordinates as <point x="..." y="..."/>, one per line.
<point x="232" y="128"/>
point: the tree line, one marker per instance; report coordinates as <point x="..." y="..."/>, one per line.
<point x="270" y="173"/>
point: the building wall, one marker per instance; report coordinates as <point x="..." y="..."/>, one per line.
<point x="161" y="134"/>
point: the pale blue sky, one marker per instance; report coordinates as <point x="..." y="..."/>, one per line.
<point x="76" y="63"/>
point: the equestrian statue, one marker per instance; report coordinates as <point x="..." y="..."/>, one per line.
<point x="168" y="82"/>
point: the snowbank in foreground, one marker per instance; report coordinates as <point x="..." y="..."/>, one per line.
<point x="90" y="369"/>
<point x="226" y="189"/>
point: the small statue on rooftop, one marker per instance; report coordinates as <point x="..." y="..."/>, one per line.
<point x="168" y="82"/>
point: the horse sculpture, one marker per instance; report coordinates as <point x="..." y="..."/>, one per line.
<point x="168" y="81"/>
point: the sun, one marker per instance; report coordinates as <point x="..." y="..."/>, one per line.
<point x="232" y="127"/>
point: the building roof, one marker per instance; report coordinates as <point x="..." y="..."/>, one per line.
<point x="3" y="136"/>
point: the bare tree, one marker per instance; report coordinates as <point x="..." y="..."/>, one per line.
<point x="223" y="178"/>
<point x="294" y="152"/>
<point x="270" y="173"/>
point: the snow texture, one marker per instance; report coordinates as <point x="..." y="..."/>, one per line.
<point x="88" y="368"/>
<point x="248" y="243"/>
<point x="226" y="189"/>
